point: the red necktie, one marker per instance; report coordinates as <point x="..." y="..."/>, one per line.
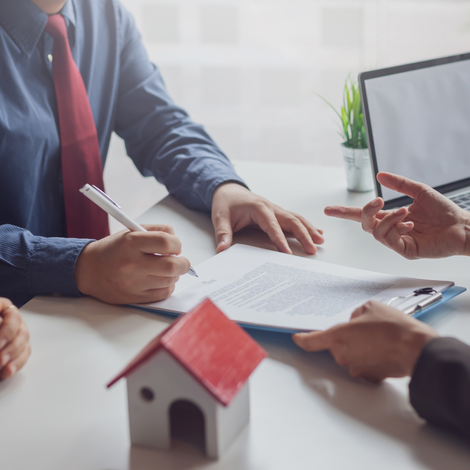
<point x="81" y="162"/>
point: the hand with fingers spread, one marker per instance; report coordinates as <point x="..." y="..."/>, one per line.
<point x="378" y="342"/>
<point x="234" y="207"/>
<point x="123" y="268"/>
<point x="431" y="227"/>
<point x="14" y="340"/>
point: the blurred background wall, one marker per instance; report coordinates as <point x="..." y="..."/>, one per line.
<point x="247" y="69"/>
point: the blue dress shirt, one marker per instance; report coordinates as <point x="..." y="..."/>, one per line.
<point x="127" y="95"/>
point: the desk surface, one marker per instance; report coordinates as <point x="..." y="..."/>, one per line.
<point x="305" y="411"/>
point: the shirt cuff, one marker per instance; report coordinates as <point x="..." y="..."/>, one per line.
<point x="52" y="264"/>
<point x="208" y="190"/>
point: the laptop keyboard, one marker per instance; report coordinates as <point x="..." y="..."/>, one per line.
<point x="462" y="200"/>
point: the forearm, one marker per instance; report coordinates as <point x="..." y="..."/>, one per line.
<point x="165" y="143"/>
<point x="31" y="265"/>
<point x="440" y="385"/>
<point x="160" y="137"/>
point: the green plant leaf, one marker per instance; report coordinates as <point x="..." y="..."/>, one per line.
<point x="347" y="99"/>
<point x="345" y="120"/>
<point x="350" y="115"/>
<point x="356" y="121"/>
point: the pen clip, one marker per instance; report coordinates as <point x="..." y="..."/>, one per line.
<point x="106" y="196"/>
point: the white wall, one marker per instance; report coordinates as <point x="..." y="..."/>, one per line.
<point x="247" y="69"/>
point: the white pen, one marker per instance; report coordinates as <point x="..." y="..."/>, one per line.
<point x="102" y="200"/>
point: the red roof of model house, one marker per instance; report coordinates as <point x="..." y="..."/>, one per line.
<point x="210" y="346"/>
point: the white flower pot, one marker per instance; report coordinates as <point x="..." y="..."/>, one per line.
<point x="358" y="169"/>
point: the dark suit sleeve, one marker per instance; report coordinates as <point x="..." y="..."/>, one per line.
<point x="440" y="385"/>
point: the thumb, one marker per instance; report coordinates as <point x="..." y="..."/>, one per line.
<point x="368" y="308"/>
<point x="401" y="184"/>
<point x="358" y="312"/>
<point x="223" y="231"/>
<point x="4" y="304"/>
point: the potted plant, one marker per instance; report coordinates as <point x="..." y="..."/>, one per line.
<point x="354" y="147"/>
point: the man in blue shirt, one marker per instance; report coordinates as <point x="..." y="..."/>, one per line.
<point x="126" y="95"/>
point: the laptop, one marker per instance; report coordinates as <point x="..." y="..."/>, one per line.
<point x="417" y="119"/>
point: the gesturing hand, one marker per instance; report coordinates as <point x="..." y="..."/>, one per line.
<point x="378" y="342"/>
<point x="14" y="340"/>
<point x="235" y="207"/>
<point x="123" y="267"/>
<point x="431" y="227"/>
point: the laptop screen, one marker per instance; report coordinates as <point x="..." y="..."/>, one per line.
<point x="418" y="123"/>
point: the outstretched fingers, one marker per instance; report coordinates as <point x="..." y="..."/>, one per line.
<point x="315" y="233"/>
<point x="302" y="230"/>
<point x="368" y="216"/>
<point x="343" y="212"/>
<point x="313" y="341"/>
<point x="268" y="222"/>
<point x="331" y="340"/>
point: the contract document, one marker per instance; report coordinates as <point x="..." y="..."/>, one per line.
<point x="263" y="288"/>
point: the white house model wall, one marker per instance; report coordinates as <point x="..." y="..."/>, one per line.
<point x="150" y="419"/>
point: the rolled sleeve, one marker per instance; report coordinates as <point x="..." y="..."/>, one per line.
<point x="160" y="137"/>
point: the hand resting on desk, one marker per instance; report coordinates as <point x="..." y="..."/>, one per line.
<point x="123" y="267"/>
<point x="378" y="342"/>
<point x="431" y="227"/>
<point x="14" y="340"/>
<point x="234" y="207"/>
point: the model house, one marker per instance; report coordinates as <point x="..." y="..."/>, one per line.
<point x="200" y="365"/>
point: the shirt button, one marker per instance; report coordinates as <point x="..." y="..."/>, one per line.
<point x="49" y="57"/>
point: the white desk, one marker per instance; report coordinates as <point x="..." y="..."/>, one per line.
<point x="306" y="411"/>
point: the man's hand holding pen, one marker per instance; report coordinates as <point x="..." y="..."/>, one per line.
<point x="123" y="268"/>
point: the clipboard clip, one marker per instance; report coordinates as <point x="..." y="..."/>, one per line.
<point x="433" y="296"/>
